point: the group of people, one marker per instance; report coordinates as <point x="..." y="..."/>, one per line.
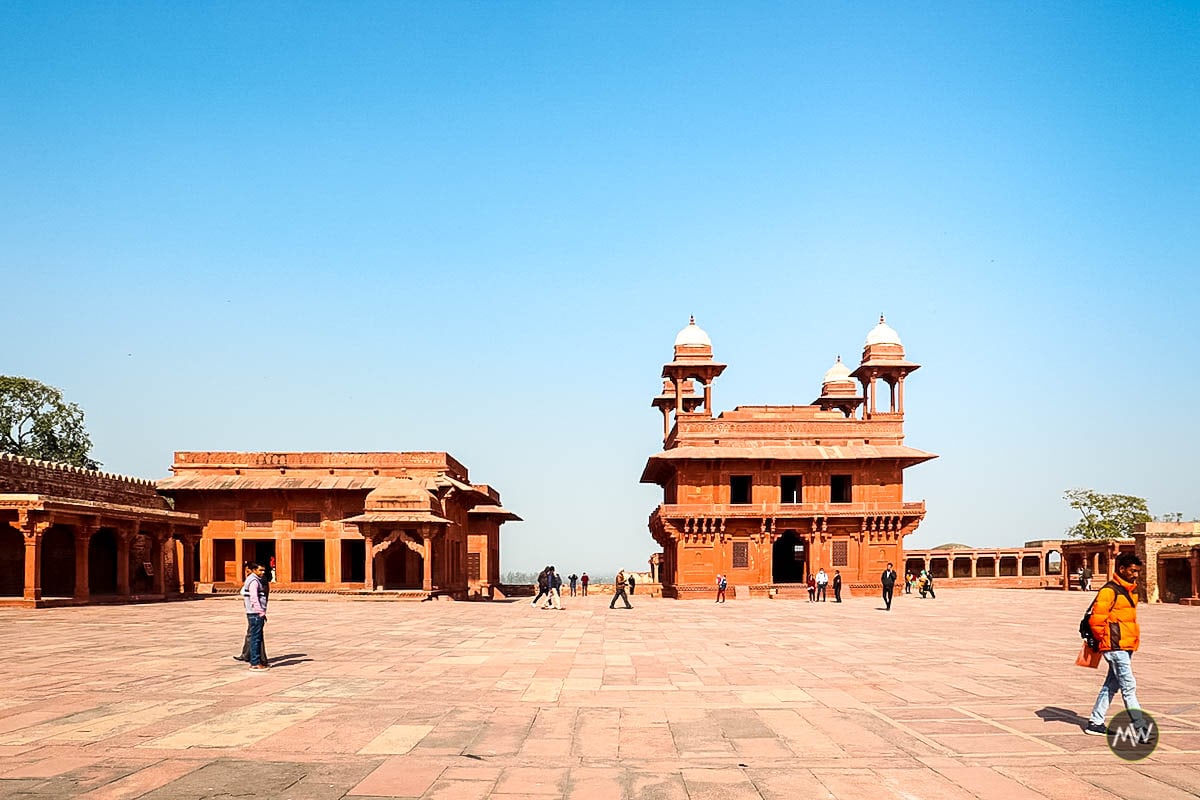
<point x="818" y="585"/>
<point x="549" y="584"/>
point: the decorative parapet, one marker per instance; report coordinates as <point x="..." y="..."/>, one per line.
<point x="21" y="475"/>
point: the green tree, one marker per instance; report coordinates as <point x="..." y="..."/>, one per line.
<point x="1105" y="516"/>
<point x="36" y="422"/>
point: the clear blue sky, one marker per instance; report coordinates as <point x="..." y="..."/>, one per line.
<point x="478" y="227"/>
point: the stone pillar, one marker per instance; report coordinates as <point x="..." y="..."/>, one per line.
<point x="900" y="392"/>
<point x="159" y="559"/>
<point x="32" y="531"/>
<point x="189" y="563"/>
<point x="125" y="535"/>
<point x="369" y="565"/>
<point x="678" y="396"/>
<point x="427" y="541"/>
<point x="239" y="557"/>
<point x="708" y="397"/>
<point x="83" y="541"/>
<point x="1194" y="563"/>
<point x="974" y="564"/>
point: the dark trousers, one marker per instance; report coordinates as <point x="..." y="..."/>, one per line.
<point x="256" y="638"/>
<point x="620" y="592"/>
<point x="887" y="595"/>
<point x="584" y="587"/>
<point x="837" y="593"/>
<point x="821" y="592"/>
<point x="572" y="590"/>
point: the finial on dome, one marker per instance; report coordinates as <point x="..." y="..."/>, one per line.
<point x="881" y="319"/>
<point x="691" y="319"/>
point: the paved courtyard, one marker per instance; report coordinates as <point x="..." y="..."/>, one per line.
<point x="972" y="695"/>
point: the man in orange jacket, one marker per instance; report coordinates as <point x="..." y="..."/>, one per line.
<point x="1114" y="624"/>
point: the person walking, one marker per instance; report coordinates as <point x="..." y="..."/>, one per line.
<point x="822" y="584"/>
<point x="573" y="578"/>
<point x="929" y="585"/>
<point x="1113" y="622"/>
<point x="837" y="586"/>
<point x="543" y="584"/>
<point x="888" y="579"/>
<point x="583" y="583"/>
<point x="555" y="590"/>
<point x="619" y="590"/>
<point x="255" y="600"/>
<point x="722" y="585"/>
<point x="632" y="582"/>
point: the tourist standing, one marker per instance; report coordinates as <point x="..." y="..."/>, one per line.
<point x="583" y="583"/>
<point x="929" y="585"/>
<point x="1114" y="625"/>
<point x="619" y="590"/>
<point x="837" y="586"/>
<point x="262" y="642"/>
<point x="908" y="582"/>
<point x="555" y="590"/>
<point x="632" y="583"/>
<point x="1087" y="578"/>
<point x="272" y="579"/>
<point x="573" y="578"/>
<point x="822" y="584"/>
<point x="812" y="588"/>
<point x="888" y="579"/>
<point x="722" y="585"/>
<point x="255" y="601"/>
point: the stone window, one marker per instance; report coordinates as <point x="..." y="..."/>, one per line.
<point x="840" y="489"/>
<point x="841" y="554"/>
<point x="790" y="487"/>
<point x="741" y="555"/>
<point x="739" y="489"/>
<point x="259" y="519"/>
<point x="308" y="519"/>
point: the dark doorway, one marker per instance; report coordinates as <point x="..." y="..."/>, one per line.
<point x="1174" y="579"/>
<point x="102" y="562"/>
<point x="58" y="562"/>
<point x="308" y="561"/>
<point x="12" y="561"/>
<point x="260" y="551"/>
<point x="789" y="559"/>
<point x="354" y="560"/>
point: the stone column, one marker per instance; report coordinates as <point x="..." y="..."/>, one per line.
<point x="189" y="563"/>
<point x="1194" y="562"/>
<point x="678" y="397"/>
<point x="125" y="534"/>
<point x="900" y="392"/>
<point x="427" y="541"/>
<point x="83" y="542"/>
<point x="159" y="559"/>
<point x="239" y="557"/>
<point x="33" y="532"/>
<point x="369" y="565"/>
<point x="974" y="564"/>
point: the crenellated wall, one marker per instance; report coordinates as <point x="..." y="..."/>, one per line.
<point x="20" y="475"/>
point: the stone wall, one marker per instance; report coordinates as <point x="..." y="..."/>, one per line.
<point x="19" y="475"/>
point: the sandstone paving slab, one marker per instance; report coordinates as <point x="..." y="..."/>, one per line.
<point x="974" y="691"/>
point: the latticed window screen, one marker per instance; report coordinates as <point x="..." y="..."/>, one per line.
<point x="258" y="519"/>
<point x="473" y="566"/>
<point x="841" y="555"/>
<point x="308" y="519"/>
<point x="741" y="555"/>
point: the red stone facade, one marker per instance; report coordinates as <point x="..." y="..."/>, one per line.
<point x="410" y="523"/>
<point x="767" y="495"/>
<point x="70" y="536"/>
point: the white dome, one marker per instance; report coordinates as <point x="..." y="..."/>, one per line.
<point x="882" y="334"/>
<point x="838" y="372"/>
<point x="693" y="334"/>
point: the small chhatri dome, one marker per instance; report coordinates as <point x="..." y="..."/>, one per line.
<point x="693" y="335"/>
<point x="882" y="334"/>
<point x="838" y="372"/>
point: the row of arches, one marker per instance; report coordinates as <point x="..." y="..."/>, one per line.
<point x="58" y="565"/>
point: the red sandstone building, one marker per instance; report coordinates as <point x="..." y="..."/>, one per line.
<point x="411" y="523"/>
<point x="768" y="494"/>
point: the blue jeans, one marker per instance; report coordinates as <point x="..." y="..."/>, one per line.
<point x="256" y="637"/>
<point x="1120" y="679"/>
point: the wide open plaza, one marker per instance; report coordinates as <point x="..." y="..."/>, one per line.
<point x="971" y="695"/>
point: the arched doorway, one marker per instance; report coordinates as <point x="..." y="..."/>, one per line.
<point x="58" y="562"/>
<point x="789" y="559"/>
<point x="102" y="562"/>
<point x="403" y="568"/>
<point x="12" y="561"/>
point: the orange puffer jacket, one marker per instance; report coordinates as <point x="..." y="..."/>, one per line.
<point x="1114" y="619"/>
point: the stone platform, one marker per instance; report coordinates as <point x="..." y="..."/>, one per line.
<point x="972" y="695"/>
